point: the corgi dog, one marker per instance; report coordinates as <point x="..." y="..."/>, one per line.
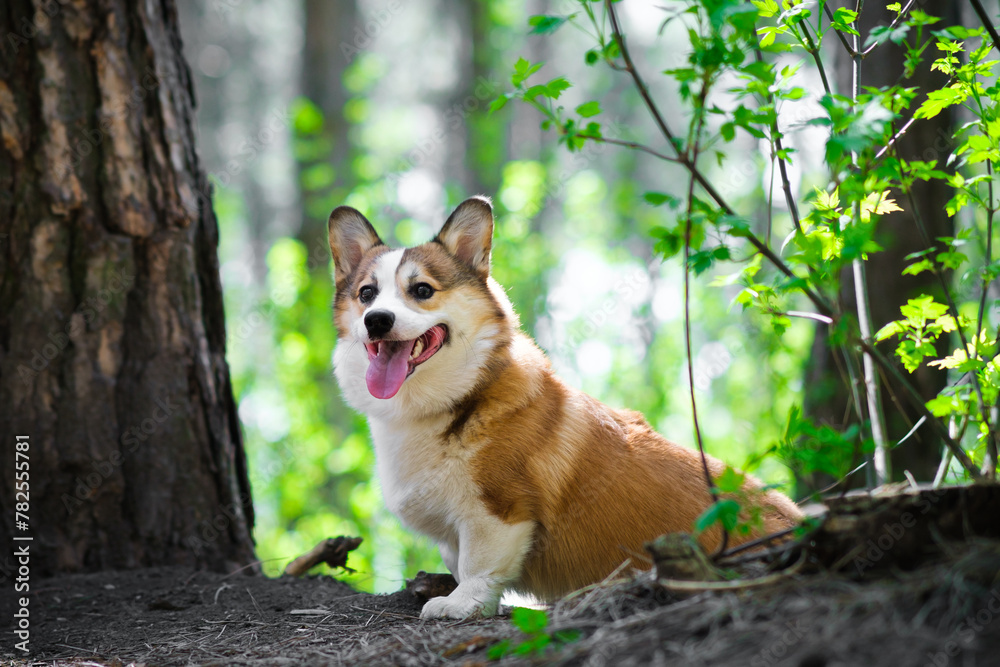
<point x="523" y="482"/>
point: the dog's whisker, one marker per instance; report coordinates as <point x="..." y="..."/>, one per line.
<point x="469" y="349"/>
<point x="349" y="349"/>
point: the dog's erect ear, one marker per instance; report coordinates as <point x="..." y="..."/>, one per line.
<point x="351" y="236"/>
<point x="468" y="234"/>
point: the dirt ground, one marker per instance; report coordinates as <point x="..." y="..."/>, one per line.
<point x="874" y="604"/>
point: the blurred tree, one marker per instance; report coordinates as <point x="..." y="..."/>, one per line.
<point x="112" y="337"/>
<point x="333" y="39"/>
<point x="827" y="392"/>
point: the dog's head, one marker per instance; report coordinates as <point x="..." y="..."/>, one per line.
<point x="416" y="327"/>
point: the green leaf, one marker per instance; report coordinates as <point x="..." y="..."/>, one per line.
<point x="938" y="100"/>
<point x="535" y="91"/>
<point x="556" y="86"/>
<point x="522" y="70"/>
<point x="768" y="33"/>
<point x="588" y="109"/>
<point x="765" y="8"/>
<point x="499" y="103"/>
<point x="730" y="481"/>
<point x="529" y="621"/>
<point x="668" y="242"/>
<point x="700" y="261"/>
<point x="922" y="308"/>
<point x="918" y="267"/>
<point x="952" y="260"/>
<point x="725" y="512"/>
<point x="546" y="25"/>
<point x="942" y="406"/>
<point x="889" y="330"/>
<point x="883" y="33"/>
<point x="845" y="15"/>
<point x="499" y="650"/>
<point x="658" y="198"/>
<point x="536" y="644"/>
<point x="827" y="201"/>
<point x="877" y="203"/>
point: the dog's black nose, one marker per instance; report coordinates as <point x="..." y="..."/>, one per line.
<point x="379" y="323"/>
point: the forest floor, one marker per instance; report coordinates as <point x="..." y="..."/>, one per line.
<point x="916" y="582"/>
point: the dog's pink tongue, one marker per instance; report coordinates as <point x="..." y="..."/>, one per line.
<point x="388" y="369"/>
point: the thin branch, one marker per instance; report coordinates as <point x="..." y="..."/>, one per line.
<point x="757" y="542"/>
<point x="636" y="146"/>
<point x="985" y="20"/>
<point x="896" y="137"/>
<point x="814" y="52"/>
<point x="873" y="393"/>
<point x="697" y="124"/>
<point x="990" y="460"/>
<point x="876" y="418"/>
<point x="810" y="316"/>
<point x="786" y="185"/>
<point x="895" y="22"/>
<point x="990" y="210"/>
<point x="845" y="368"/>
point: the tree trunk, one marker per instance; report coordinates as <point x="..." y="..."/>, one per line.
<point x="112" y="336"/>
<point x="335" y="35"/>
<point x="827" y="395"/>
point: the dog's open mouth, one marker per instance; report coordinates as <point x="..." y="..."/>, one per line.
<point x="392" y="361"/>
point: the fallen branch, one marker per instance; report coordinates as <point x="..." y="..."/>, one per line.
<point x="333" y="551"/>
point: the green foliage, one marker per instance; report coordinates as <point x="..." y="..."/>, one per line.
<point x="735" y="511"/>
<point x="532" y="623"/>
<point x="923" y="322"/>
<point x="725" y="512"/>
<point x="835" y="229"/>
<point x="807" y="447"/>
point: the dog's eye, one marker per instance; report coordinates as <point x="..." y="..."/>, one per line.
<point x="422" y="291"/>
<point x="366" y="294"/>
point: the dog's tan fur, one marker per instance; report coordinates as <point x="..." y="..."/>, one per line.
<point x="581" y="485"/>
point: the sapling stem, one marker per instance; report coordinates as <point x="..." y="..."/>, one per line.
<point x="873" y="395"/>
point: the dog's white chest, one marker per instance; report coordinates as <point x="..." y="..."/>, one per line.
<point x="424" y="484"/>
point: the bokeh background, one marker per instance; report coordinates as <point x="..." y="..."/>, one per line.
<point x="383" y="105"/>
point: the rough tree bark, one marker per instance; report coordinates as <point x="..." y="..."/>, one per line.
<point x="112" y="337"/>
<point x="827" y="395"/>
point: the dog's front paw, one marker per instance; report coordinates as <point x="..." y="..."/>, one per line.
<point x="458" y="605"/>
